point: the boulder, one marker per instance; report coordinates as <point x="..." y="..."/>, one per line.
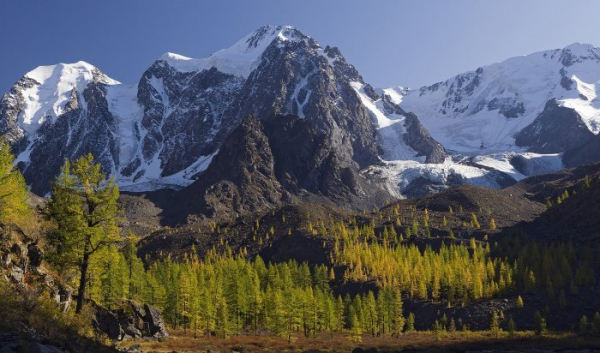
<point x="155" y="321"/>
<point x="139" y="315"/>
<point x="107" y="322"/>
<point x="17" y="274"/>
<point x="130" y="321"/>
<point x="62" y="295"/>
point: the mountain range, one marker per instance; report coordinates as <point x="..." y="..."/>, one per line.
<point x="278" y="117"/>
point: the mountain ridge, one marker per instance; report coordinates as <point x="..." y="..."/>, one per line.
<point x="165" y="131"/>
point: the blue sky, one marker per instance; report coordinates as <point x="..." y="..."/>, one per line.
<point x="410" y="43"/>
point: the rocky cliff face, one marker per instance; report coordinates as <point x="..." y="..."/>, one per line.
<point x="78" y="131"/>
<point x="182" y="117"/>
<point x="420" y="140"/>
<point x="265" y="163"/>
<point x="557" y="129"/>
<point x="299" y="77"/>
<point x="30" y="121"/>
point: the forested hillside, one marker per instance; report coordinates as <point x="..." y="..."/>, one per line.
<point x="454" y="262"/>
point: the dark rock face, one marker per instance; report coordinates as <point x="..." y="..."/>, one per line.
<point x="108" y="323"/>
<point x="35" y="255"/>
<point x="241" y="178"/>
<point x="293" y="78"/>
<point x="509" y="107"/>
<point x="265" y="163"/>
<point x="557" y="129"/>
<point x="156" y="324"/>
<point x="419" y="139"/>
<point x="182" y="115"/>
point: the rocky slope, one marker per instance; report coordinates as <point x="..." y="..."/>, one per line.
<point x="573" y="218"/>
<point x="266" y="163"/>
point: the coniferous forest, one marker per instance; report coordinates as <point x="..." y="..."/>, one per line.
<point x="382" y="268"/>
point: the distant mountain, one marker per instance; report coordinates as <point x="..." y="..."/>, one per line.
<point x="490" y="127"/>
<point x="522" y="104"/>
<point x="524" y="116"/>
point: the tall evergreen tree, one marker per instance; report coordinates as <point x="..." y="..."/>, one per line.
<point x="84" y="209"/>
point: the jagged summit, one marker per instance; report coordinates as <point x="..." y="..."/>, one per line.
<point x="242" y="57"/>
<point x="269" y="33"/>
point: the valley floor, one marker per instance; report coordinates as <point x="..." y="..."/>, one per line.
<point x="524" y="341"/>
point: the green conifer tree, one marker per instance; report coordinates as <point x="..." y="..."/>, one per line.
<point x="85" y="210"/>
<point x="512" y="327"/>
<point x="410" y="322"/>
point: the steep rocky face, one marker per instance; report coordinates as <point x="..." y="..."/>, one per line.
<point x="266" y="163"/>
<point x="557" y="129"/>
<point x="11" y="105"/>
<point x="306" y="160"/>
<point x="240" y="178"/>
<point x="182" y="116"/>
<point x="78" y="131"/>
<point x="294" y="77"/>
<point x="419" y="139"/>
<point x="400" y="135"/>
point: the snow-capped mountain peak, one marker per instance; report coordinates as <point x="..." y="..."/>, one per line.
<point x="485" y="109"/>
<point x="79" y="71"/>
<point x="265" y="35"/>
<point x="242" y="57"/>
<point x="577" y="53"/>
<point x="48" y="90"/>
